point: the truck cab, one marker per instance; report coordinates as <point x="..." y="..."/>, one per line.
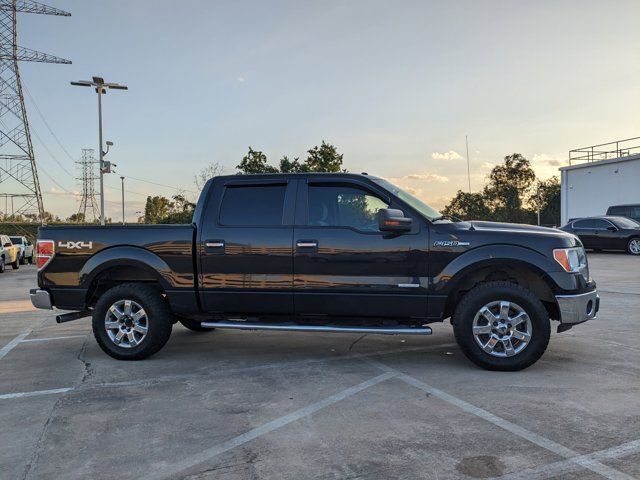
<point x="323" y="253"/>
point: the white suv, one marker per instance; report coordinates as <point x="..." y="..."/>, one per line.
<point x="26" y="249"/>
<point x="8" y="253"/>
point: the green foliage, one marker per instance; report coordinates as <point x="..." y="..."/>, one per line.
<point x="508" y="184"/>
<point x="510" y="196"/>
<point x="160" y="209"/>
<point x="547" y="198"/>
<point x="469" y="206"/>
<point x="255" y="162"/>
<point x="324" y="158"/>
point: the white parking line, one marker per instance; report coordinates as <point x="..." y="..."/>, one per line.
<point x="212" y="373"/>
<point x="547" y="444"/>
<point x="166" y="470"/>
<point x="571" y="465"/>
<point x="47" y="339"/>
<point x="35" y="393"/>
<point x="13" y="343"/>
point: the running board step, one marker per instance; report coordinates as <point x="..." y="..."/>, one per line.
<point x="319" y="328"/>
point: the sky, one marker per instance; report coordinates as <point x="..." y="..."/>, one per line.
<point x="395" y="85"/>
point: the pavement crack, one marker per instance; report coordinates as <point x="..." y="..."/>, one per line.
<point x="356" y="341"/>
<point x="87" y="372"/>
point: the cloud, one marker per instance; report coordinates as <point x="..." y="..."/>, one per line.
<point x="56" y="191"/>
<point x="548" y="160"/>
<point x="450" y="155"/>
<point x="430" y="177"/>
<point x="487" y="166"/>
<point x="241" y="78"/>
<point x="414" y="191"/>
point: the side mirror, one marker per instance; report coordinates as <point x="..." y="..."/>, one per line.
<point x="612" y="228"/>
<point x="392" y="220"/>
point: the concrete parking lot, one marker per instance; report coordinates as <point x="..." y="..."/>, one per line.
<point x="239" y="405"/>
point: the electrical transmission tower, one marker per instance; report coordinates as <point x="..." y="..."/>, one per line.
<point x="88" y="203"/>
<point x="19" y="185"/>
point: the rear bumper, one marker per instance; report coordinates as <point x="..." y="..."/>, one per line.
<point x="578" y="308"/>
<point x="40" y="298"/>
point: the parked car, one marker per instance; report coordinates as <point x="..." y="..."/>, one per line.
<point x="607" y="233"/>
<point x="630" y="211"/>
<point x="26" y="249"/>
<point x="8" y="254"/>
<point x="318" y="253"/>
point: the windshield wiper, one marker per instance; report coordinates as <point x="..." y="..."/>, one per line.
<point x="445" y="217"/>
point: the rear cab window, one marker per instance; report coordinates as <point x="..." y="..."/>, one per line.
<point x="252" y="205"/>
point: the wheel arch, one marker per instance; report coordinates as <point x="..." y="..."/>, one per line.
<point x="512" y="266"/>
<point x="118" y="265"/>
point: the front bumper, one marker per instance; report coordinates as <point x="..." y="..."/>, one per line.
<point x="578" y="308"/>
<point x="40" y="298"/>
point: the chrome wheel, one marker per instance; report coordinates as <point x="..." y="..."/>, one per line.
<point x="502" y="328"/>
<point x="126" y="323"/>
<point x="634" y="246"/>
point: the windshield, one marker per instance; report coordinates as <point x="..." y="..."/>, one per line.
<point x="625" y="222"/>
<point x="419" y="205"/>
<point x="16" y="240"/>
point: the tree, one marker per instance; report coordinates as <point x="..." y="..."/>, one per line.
<point x="468" y="206"/>
<point x="180" y="210"/>
<point x="508" y="185"/>
<point x="324" y="159"/>
<point x="255" y="162"/>
<point x="546" y="197"/>
<point x="210" y="171"/>
<point x="156" y="208"/>
<point x="76" y="218"/>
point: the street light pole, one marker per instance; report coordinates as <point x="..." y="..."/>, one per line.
<point x="122" y="178"/>
<point x="105" y="167"/>
<point x="101" y="155"/>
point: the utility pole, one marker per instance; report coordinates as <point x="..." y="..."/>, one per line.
<point x="466" y="140"/>
<point x="105" y="167"/>
<point x="18" y="172"/>
<point x="122" y="178"/>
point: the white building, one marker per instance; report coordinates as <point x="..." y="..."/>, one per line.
<point x="593" y="182"/>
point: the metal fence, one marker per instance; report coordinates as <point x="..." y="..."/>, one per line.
<point x="593" y="153"/>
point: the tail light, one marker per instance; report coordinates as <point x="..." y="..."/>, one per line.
<point x="45" y="250"/>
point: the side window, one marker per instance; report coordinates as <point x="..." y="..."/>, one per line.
<point x="344" y="206"/>
<point x="601" y="224"/>
<point x="617" y="211"/>
<point x="252" y="205"/>
<point x="583" y="224"/>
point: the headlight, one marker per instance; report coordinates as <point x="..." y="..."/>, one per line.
<point x="572" y="260"/>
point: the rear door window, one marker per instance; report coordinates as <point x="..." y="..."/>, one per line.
<point x="583" y="224"/>
<point x="252" y="205"/>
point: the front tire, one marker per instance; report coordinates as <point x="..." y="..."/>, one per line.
<point x="501" y="326"/>
<point x="132" y="321"/>
<point x="2" y="266"/>
<point x="633" y="247"/>
<point x="15" y="265"/>
<point x="23" y="260"/>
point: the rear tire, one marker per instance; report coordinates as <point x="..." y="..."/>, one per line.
<point x="633" y="247"/>
<point x="124" y="332"/>
<point x="30" y="260"/>
<point x="501" y="326"/>
<point x="2" y="267"/>
<point x="194" y="326"/>
<point x="15" y="265"/>
<point x="23" y="260"/>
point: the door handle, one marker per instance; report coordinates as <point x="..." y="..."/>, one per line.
<point x="214" y="246"/>
<point x="307" y="244"/>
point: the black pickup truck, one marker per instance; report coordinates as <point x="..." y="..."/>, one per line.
<point x="318" y="253"/>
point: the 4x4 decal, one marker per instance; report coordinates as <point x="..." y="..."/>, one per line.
<point x="76" y="245"/>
